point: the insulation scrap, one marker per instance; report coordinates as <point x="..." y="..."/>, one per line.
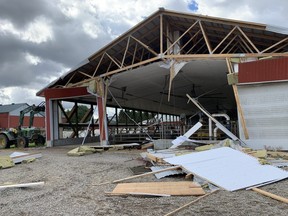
<point x="6" y="162"/>
<point x="204" y="147"/>
<point x="83" y="150"/>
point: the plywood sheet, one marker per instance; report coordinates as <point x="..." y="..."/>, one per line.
<point x="228" y="168"/>
<point x="170" y="188"/>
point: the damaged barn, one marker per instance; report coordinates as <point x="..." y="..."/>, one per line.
<point x="143" y="76"/>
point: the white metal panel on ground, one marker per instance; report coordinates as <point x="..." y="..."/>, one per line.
<point x="265" y="108"/>
<point x="228" y="168"/>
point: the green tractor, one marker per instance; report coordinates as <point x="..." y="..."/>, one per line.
<point x="23" y="136"/>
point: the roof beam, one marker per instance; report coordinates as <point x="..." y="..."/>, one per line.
<point x="228" y="44"/>
<point x="223" y="39"/>
<point x="244" y="42"/>
<point x="189" y="40"/>
<point x="248" y="39"/>
<point x="124" y="56"/>
<point x="188" y="57"/>
<point x="161" y="33"/>
<point x="144" y="45"/>
<point x="96" y="69"/>
<point x="205" y="38"/>
<point x="181" y="37"/>
<point x="276" y="44"/>
<point x="113" y="60"/>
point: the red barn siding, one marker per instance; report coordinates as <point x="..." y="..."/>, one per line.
<point x="263" y="70"/>
<point x="4" y="120"/>
<point x="38" y="121"/>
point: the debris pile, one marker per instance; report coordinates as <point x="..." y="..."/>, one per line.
<point x="16" y="158"/>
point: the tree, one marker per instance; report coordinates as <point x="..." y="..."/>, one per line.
<point x="81" y="111"/>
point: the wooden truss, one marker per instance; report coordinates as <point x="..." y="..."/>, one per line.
<point x="168" y="35"/>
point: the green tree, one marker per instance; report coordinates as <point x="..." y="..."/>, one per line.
<point x="81" y="111"/>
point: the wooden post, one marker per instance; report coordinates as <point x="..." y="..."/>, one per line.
<point x="235" y="90"/>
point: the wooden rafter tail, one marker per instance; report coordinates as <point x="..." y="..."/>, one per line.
<point x="276" y="44"/>
<point x="205" y="38"/>
<point x="248" y="39"/>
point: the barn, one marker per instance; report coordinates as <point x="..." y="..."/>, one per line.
<point x="137" y="86"/>
<point x="10" y="116"/>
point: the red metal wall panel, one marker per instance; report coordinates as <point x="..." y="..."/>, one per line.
<point x="263" y="70"/>
<point x="4" y="120"/>
<point x="38" y="122"/>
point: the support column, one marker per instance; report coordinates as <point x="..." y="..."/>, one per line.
<point x="102" y="121"/>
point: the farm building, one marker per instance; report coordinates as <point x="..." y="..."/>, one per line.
<point x="10" y="116"/>
<point x="233" y="70"/>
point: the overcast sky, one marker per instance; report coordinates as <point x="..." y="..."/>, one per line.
<point x="42" y="39"/>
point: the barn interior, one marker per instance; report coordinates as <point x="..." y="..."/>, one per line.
<point x="143" y="77"/>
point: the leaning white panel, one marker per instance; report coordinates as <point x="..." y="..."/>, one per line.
<point x="228" y="168"/>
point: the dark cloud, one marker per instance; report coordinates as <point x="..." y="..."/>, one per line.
<point x="69" y="43"/>
<point x="23" y="12"/>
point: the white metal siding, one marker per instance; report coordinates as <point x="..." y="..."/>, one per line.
<point x="265" y="108"/>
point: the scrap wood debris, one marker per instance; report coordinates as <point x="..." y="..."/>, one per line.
<point x="254" y="162"/>
<point x="16" y="158"/>
<point x="181" y="188"/>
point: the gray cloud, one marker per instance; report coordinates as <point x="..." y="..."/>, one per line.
<point x="57" y="35"/>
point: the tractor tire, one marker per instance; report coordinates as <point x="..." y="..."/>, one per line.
<point x="4" y="142"/>
<point x="22" y="142"/>
<point x="40" y="141"/>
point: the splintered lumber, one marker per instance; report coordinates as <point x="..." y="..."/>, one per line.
<point x="187" y="204"/>
<point x="146" y="174"/>
<point x="183" y="188"/>
<point x="271" y="195"/>
<point x="22" y="185"/>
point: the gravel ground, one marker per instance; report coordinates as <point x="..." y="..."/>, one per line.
<point x="69" y="189"/>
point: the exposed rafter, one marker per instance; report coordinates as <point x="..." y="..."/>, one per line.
<point x="197" y="37"/>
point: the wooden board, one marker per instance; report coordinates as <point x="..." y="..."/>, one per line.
<point x="171" y="188"/>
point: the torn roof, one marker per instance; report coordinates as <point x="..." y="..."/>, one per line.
<point x="200" y="35"/>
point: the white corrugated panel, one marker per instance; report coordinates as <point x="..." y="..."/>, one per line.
<point x="228" y="168"/>
<point x="265" y="108"/>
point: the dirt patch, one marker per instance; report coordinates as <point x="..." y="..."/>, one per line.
<point x="69" y="189"/>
